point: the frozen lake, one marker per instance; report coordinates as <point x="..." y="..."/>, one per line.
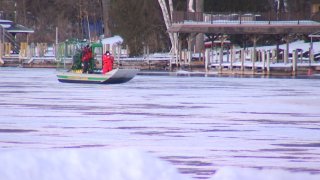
<point x="197" y="124"/>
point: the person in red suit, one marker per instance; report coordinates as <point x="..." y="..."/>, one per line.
<point x="107" y="60"/>
<point x="86" y="56"/>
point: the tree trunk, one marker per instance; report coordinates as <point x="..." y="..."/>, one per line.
<point x="106" y="17"/>
<point x="171" y="9"/>
<point x="190" y="6"/>
<point x="174" y="47"/>
<point x="166" y="17"/>
<point x="200" y="37"/>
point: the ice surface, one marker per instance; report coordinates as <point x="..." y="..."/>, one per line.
<point x="196" y="124"/>
<point x="231" y="173"/>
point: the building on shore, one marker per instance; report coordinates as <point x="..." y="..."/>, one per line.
<point x="283" y="27"/>
<point x="8" y="43"/>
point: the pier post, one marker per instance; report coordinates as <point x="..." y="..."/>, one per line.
<point x="311" y="56"/>
<point x="287" y="38"/>
<point x="242" y="59"/>
<point x="253" y="55"/>
<point x="274" y="55"/>
<point x="1" y="45"/>
<point x="1" y="49"/>
<point x="7" y="49"/>
<point x="119" y="53"/>
<point x="56" y="43"/>
<point x="311" y="52"/>
<point x="294" y="62"/>
<point x="211" y="56"/>
<point x="286" y="54"/>
<point x="183" y="56"/>
<point x="206" y="57"/>
<point x="170" y="63"/>
<point x="216" y="57"/>
<point x="231" y="58"/>
<point x="189" y="57"/>
<point x="221" y="57"/>
<point x="178" y="50"/>
<point x="268" y="62"/>
<point x="228" y="54"/>
<point x="263" y="58"/>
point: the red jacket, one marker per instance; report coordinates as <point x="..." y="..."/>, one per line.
<point x="107" y="61"/>
<point x="86" y="55"/>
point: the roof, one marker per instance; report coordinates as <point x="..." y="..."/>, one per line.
<point x="248" y="27"/>
<point x="5" y="23"/>
<point x="17" y="28"/>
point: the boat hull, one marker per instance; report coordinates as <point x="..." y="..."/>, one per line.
<point x="115" y="76"/>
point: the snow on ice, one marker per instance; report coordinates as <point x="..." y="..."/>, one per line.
<point x="116" y="164"/>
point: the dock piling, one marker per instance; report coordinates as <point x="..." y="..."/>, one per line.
<point x="294" y="62"/>
<point x="268" y="62"/>
<point x="206" y="57"/>
<point x="232" y="57"/>
<point x="263" y="57"/>
<point x="1" y="49"/>
<point x="253" y="57"/>
<point x="242" y="59"/>
<point x="311" y="56"/>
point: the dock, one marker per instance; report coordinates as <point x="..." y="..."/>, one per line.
<point x="212" y="67"/>
<point x="226" y="58"/>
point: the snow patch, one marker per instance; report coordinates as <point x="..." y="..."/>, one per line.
<point x="77" y="164"/>
<point x="232" y="173"/>
<point x="293" y="46"/>
<point x="112" y="40"/>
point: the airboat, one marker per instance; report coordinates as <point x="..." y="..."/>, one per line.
<point x="71" y="57"/>
<point x="115" y="76"/>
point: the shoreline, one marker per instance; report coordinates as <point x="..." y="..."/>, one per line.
<point x="185" y="73"/>
<point x="195" y="69"/>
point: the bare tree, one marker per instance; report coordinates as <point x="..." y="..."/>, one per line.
<point x="106" y="17"/>
<point x="166" y="18"/>
<point x="171" y="8"/>
<point x="190" y="6"/>
<point x="200" y="37"/>
<point x="140" y="23"/>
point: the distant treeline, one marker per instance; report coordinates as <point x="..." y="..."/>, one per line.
<point x="139" y="22"/>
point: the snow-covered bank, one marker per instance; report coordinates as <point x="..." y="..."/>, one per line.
<point x="117" y="164"/>
<point x="231" y="173"/>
